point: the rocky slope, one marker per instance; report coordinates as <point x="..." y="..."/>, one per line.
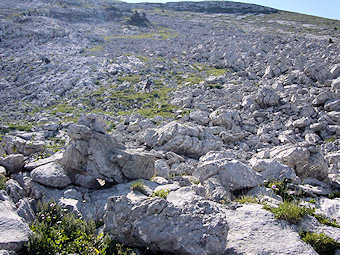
<point x="241" y="95"/>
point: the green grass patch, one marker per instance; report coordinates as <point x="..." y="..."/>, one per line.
<point x="289" y="211"/>
<point x="324" y="220"/>
<point x="160" y="34"/>
<point x="138" y="186"/>
<point x="25" y="126"/>
<point x="247" y="199"/>
<point x="3" y="180"/>
<point x="55" y="231"/>
<point x="334" y="195"/>
<point x="161" y="193"/>
<point x="330" y="140"/>
<point x="321" y="243"/>
<point x="280" y="188"/>
<point x="95" y="49"/>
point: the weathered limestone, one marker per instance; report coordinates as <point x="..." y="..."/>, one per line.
<point x="198" y="227"/>
<point x="101" y="156"/>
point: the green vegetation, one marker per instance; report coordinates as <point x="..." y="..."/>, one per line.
<point x="323" y="220"/>
<point x="322" y="244"/>
<point x="25" y="126"/>
<point x="289" y="211"/>
<point x="215" y="86"/>
<point x="247" y="199"/>
<point x="280" y="188"/>
<point x="3" y="180"/>
<point x="334" y="195"/>
<point x="330" y="140"/>
<point x="160" y="34"/>
<point x="95" y="49"/>
<point x="138" y="186"/>
<point x="195" y="181"/>
<point x="161" y="193"/>
<point x="55" y="144"/>
<point x="57" y="232"/>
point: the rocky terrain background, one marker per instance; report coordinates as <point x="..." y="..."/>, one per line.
<point x="241" y="95"/>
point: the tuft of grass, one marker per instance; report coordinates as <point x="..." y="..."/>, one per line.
<point x="247" y="199"/>
<point x="324" y="220"/>
<point x="289" y="211"/>
<point x="138" y="186"/>
<point x="55" y="231"/>
<point x="280" y="188"/>
<point x="330" y="140"/>
<point x="334" y="195"/>
<point x="321" y="243"/>
<point x="161" y="193"/>
<point x="3" y="180"/>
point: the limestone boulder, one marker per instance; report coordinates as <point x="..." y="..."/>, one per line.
<point x="14" y="231"/>
<point x="230" y="172"/>
<point x="99" y="155"/>
<point x="189" y="140"/>
<point x="52" y="175"/>
<point x="13" y="163"/>
<point x="305" y="163"/>
<point x="196" y="227"/>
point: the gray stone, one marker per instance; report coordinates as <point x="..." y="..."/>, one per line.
<point x="86" y="181"/>
<point x="302" y="123"/>
<point x="262" y="191"/>
<point x="231" y="173"/>
<point x="215" y="191"/>
<point x="14" y="231"/>
<point x="335" y="71"/>
<point x="254" y="230"/>
<point x="332" y="105"/>
<point x="101" y="156"/>
<point x="200" y="117"/>
<point x="162" y="168"/>
<point x="32" y="147"/>
<point x="52" y="175"/>
<point x="266" y="97"/>
<point x="93" y="122"/>
<point x="2" y="170"/>
<point x="336" y="85"/>
<point x="197" y="227"/>
<point x="304" y="163"/>
<point x="322" y="98"/>
<point x="272" y="169"/>
<point x="13" y="163"/>
<point x="13" y="144"/>
<point x="329" y="207"/>
<point x="25" y="209"/>
<point x="14" y="190"/>
<point x="311" y="224"/>
<point x="225" y="118"/>
<point x="5" y="252"/>
<point x="54" y="158"/>
<point x="192" y="141"/>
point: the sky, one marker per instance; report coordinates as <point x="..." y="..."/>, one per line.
<point x="322" y="8"/>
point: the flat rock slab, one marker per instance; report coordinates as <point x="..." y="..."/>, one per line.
<point x="32" y="165"/>
<point x="254" y="230"/>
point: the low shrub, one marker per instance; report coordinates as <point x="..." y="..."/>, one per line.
<point x="56" y="231"/>
<point x="161" y="193"/>
<point x="247" y="199"/>
<point x="3" y="180"/>
<point x="322" y="244"/>
<point x="138" y="186"/>
<point x="280" y="188"/>
<point x="289" y="211"/>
